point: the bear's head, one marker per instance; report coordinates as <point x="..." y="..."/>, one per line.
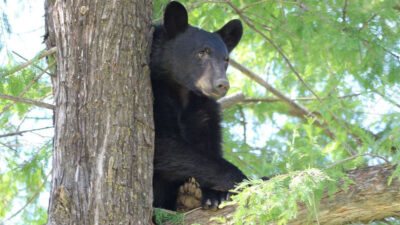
<point x="195" y="58"/>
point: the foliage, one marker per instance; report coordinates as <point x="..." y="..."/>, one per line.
<point x="24" y="158"/>
<point x="277" y="200"/>
<point x="347" y="54"/>
<point x="161" y="216"/>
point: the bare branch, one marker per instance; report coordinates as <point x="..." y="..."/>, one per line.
<point x="22" y="66"/>
<point x="346" y="2"/>
<point x="9" y="147"/>
<point x="34" y="65"/>
<point x="22" y="132"/>
<point x="231" y="100"/>
<point x="253" y="4"/>
<point x="196" y="4"/>
<point x="303" y="112"/>
<point x="301" y="5"/>
<point x="356" y="156"/>
<point x="294" y="99"/>
<point x="27" y="101"/>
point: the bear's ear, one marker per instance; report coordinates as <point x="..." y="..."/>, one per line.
<point x="175" y="19"/>
<point x="231" y="33"/>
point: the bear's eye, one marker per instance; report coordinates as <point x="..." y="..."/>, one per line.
<point x="205" y="51"/>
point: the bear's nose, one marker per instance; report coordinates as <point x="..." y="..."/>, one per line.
<point x="222" y="86"/>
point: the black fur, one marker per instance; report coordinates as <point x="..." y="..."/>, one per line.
<point x="188" y="71"/>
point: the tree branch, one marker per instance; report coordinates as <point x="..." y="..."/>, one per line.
<point x="356" y="156"/>
<point x="280" y="51"/>
<point x="27" y="101"/>
<point x="235" y="98"/>
<point x="30" y="199"/>
<point x="303" y="99"/>
<point x="24" y="131"/>
<point x="300" y="111"/>
<point x="28" y="86"/>
<point x="365" y="24"/>
<point x="36" y="66"/>
<point x="23" y="65"/>
<point x="370" y="198"/>
<point x="346" y="2"/>
<point x="231" y="100"/>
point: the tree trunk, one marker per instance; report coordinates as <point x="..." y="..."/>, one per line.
<point x="369" y="199"/>
<point x="104" y="132"/>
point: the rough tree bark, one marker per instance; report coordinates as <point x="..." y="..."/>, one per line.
<point x="103" y="142"/>
<point x="370" y="198"/>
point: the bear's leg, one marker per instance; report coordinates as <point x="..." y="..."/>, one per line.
<point x="177" y="161"/>
<point x="165" y="193"/>
<point x="212" y="199"/>
<point x="191" y="196"/>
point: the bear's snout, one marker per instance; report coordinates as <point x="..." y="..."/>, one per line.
<point x="221" y="86"/>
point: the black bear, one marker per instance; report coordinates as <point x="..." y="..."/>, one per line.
<point x="188" y="72"/>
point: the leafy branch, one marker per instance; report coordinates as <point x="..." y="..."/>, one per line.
<point x="30" y="199"/>
<point x="28" y="86"/>
<point x="30" y="62"/>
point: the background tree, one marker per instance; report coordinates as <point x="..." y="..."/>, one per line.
<point x="320" y="81"/>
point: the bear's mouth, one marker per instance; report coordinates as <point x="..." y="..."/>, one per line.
<point x="214" y="95"/>
<point x="203" y="88"/>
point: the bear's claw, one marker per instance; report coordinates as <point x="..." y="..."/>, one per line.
<point x="189" y="196"/>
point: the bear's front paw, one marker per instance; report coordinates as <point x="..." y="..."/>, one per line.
<point x="189" y="196"/>
<point x="212" y="199"/>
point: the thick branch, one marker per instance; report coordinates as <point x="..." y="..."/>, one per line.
<point x="369" y="199"/>
<point x="231" y="100"/>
